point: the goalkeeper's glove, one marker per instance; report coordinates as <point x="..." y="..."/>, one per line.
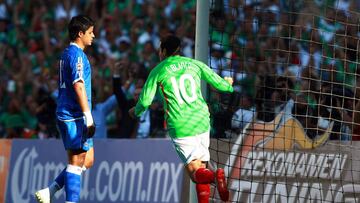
<point x="90" y="125"/>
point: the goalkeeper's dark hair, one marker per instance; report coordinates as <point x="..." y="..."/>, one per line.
<point x="171" y="44"/>
<point x="77" y="24"/>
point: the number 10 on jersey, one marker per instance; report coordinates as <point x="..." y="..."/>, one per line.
<point x="180" y="89"/>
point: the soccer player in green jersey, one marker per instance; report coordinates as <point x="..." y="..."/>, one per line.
<point x="187" y="116"/>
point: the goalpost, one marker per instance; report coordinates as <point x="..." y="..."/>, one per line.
<point x="289" y="132"/>
<point x="201" y="54"/>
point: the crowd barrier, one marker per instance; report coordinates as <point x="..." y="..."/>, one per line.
<point x="150" y="171"/>
<point x="124" y="171"/>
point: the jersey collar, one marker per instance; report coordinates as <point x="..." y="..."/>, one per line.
<point x="74" y="44"/>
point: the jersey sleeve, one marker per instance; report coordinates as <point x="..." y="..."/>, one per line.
<point x="214" y="79"/>
<point x="76" y="67"/>
<point x="148" y="92"/>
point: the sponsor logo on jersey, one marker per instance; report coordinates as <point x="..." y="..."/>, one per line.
<point x="79" y="64"/>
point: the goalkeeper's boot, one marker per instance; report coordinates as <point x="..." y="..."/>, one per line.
<point x="43" y="196"/>
<point x="221" y="185"/>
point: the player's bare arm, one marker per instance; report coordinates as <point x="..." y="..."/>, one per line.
<point x="79" y="88"/>
<point x="81" y="96"/>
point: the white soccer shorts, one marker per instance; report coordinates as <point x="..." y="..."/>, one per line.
<point x="193" y="147"/>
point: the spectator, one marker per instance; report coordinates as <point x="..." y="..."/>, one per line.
<point x="102" y="109"/>
<point x="130" y="127"/>
<point x="15" y="119"/>
<point x="244" y="114"/>
<point x="45" y="114"/>
<point x="338" y="107"/>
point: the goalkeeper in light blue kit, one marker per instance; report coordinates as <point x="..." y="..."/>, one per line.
<point x="178" y="80"/>
<point x="74" y="118"/>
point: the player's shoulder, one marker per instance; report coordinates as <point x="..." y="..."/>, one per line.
<point x="75" y="50"/>
<point x="195" y="61"/>
<point x="160" y="66"/>
<point x="72" y="52"/>
<point x="179" y="58"/>
<point x="69" y="49"/>
<point x="199" y="64"/>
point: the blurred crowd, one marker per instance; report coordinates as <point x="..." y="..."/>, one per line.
<point x="34" y="32"/>
<point x="297" y="57"/>
<point x="276" y="50"/>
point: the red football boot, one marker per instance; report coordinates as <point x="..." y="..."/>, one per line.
<point x="221" y="185"/>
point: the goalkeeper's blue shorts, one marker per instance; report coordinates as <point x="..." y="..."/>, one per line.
<point x="74" y="134"/>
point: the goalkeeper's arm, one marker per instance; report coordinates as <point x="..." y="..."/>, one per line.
<point x="81" y="96"/>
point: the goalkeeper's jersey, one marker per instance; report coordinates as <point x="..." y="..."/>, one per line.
<point x="179" y="82"/>
<point x="74" y="66"/>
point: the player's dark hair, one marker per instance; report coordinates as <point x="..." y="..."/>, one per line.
<point x="78" y="24"/>
<point x="171" y="44"/>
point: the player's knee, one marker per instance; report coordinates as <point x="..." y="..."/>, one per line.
<point x="192" y="167"/>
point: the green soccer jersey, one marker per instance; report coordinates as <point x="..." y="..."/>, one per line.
<point x="179" y="82"/>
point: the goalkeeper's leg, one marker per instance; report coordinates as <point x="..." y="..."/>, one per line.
<point x="45" y="195"/>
